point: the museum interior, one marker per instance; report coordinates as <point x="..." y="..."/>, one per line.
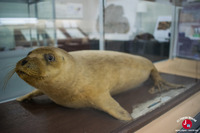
<point x="167" y="32"/>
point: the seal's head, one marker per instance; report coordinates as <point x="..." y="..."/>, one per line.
<point x="42" y="65"/>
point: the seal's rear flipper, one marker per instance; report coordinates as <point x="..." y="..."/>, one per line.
<point x="160" y="84"/>
<point x="163" y="85"/>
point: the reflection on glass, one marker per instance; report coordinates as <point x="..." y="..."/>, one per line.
<point x="189" y="31"/>
<point x="77" y="21"/>
<point x="131" y="28"/>
<point x="21" y="24"/>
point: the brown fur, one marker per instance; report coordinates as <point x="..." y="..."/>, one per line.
<point x="87" y="78"/>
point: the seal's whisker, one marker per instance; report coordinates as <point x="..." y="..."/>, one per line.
<point x="7" y="67"/>
<point x="7" y="77"/>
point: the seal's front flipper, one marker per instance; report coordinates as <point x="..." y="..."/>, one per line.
<point x="108" y="104"/>
<point x="29" y="96"/>
<point x="163" y="85"/>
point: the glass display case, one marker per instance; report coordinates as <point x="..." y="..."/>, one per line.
<point x="167" y="32"/>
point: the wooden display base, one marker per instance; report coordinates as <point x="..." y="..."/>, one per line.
<point x="42" y="115"/>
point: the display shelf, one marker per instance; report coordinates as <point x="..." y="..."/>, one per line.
<point x="42" y="115"/>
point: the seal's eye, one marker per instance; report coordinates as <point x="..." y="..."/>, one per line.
<point x="49" y="57"/>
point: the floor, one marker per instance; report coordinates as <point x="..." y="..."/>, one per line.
<point x="167" y="123"/>
<point x="179" y="66"/>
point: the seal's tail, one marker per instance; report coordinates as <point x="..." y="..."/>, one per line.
<point x="160" y="84"/>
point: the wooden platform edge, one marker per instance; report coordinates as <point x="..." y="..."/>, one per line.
<point x="144" y="120"/>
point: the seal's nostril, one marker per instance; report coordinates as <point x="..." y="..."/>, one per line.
<point x="24" y="62"/>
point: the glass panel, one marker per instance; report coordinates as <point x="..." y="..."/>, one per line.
<point x="23" y="26"/>
<point x="76" y="24"/>
<point x="133" y="28"/>
<point x="188" y="44"/>
<point x="184" y="40"/>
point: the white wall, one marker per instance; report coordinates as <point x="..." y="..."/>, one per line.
<point x="90" y="9"/>
<point x="13" y="10"/>
<point x="129" y="7"/>
<point x="154" y="10"/>
<point x="45" y="9"/>
<point x="91" y="12"/>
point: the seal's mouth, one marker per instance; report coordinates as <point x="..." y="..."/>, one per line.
<point x="26" y="75"/>
<point x="22" y="72"/>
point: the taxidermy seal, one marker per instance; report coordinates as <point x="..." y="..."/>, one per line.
<point x="87" y="78"/>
